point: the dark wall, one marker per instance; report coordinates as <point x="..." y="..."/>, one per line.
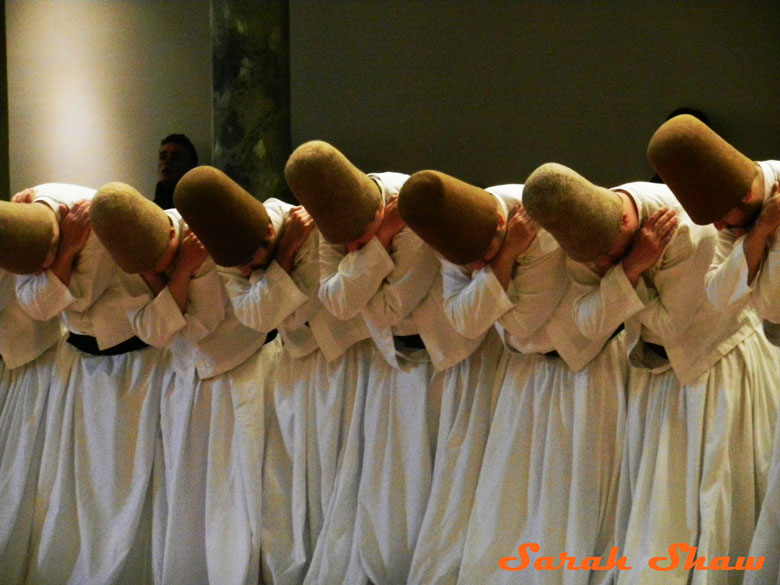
<point x="4" y="172"/>
<point x="489" y="90"/>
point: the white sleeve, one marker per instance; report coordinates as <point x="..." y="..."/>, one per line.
<point x="727" y="277"/>
<point x="91" y="276"/>
<point x="206" y="298"/>
<point x="406" y="286"/>
<point x="42" y="296"/>
<point x="678" y="282"/>
<point x="157" y="321"/>
<point x="348" y="281"/>
<point x="601" y="305"/>
<point x="537" y="286"/>
<point x="766" y="296"/>
<point x="472" y="302"/>
<point x="265" y="300"/>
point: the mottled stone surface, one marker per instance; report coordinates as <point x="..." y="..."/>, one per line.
<point x="252" y="93"/>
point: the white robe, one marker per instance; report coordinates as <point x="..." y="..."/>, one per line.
<point x="549" y="472"/>
<point x="699" y="425"/>
<point x="382" y="288"/>
<point x="209" y="534"/>
<point x="28" y="351"/>
<point x="93" y="505"/>
<point x="297" y="471"/>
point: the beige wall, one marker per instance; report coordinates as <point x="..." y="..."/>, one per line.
<point x="487" y="90"/>
<point x="94" y="86"/>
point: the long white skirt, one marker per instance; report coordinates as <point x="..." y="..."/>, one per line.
<point x="93" y="512"/>
<point x="335" y="439"/>
<point x="23" y="394"/>
<point x="400" y="424"/>
<point x="766" y="539"/>
<point x="285" y="542"/>
<point x="467" y="399"/>
<point x="550" y="469"/>
<point x="211" y="430"/>
<point x="696" y="463"/>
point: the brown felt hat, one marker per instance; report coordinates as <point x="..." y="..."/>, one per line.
<point x="341" y="198"/>
<point x="456" y="219"/>
<point x="708" y="176"/>
<point x="584" y="218"/>
<point x="134" y="230"/>
<point x="25" y="236"/>
<point x="230" y="222"/>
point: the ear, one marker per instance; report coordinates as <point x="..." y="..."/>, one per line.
<point x="270" y="231"/>
<point x="501" y="219"/>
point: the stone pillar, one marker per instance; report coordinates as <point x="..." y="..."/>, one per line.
<point x="251" y="92"/>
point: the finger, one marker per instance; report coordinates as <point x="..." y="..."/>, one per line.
<point x="658" y="215"/>
<point x="663" y="220"/>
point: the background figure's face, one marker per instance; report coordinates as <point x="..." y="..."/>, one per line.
<point x="172" y="162"/>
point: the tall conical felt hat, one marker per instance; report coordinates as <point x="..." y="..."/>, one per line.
<point x="340" y="197"/>
<point x="585" y="219"/>
<point x="708" y="176"/>
<point x="230" y="222"/>
<point x="134" y="230"/>
<point x="26" y="232"/>
<point x="456" y="219"/>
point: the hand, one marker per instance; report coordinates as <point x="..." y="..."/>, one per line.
<point x="391" y="224"/>
<point x="297" y="227"/>
<point x="769" y="219"/>
<point x="25" y="196"/>
<point x="520" y="231"/>
<point x="74" y="227"/>
<point x="649" y="243"/>
<point x="191" y="253"/>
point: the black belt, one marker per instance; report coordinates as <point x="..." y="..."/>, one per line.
<point x="410" y="341"/>
<point x="657" y="349"/>
<point x="88" y="344"/>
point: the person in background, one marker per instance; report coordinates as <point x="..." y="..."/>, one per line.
<point x="177" y="156"/>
